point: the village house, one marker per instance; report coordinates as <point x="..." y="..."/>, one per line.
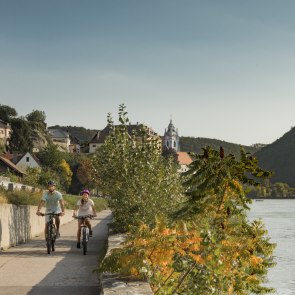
<point x="171" y="141"/>
<point x="100" y="137"/>
<point x="7" y="166"/>
<point x="60" y="138"/>
<point x="23" y="161"/>
<point x="184" y="161"/>
<point x="75" y="146"/>
<point x="5" y="130"/>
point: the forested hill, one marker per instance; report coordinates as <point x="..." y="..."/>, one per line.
<point x="195" y="144"/>
<point x="81" y="133"/>
<point x="187" y="144"/>
<point x="279" y="157"/>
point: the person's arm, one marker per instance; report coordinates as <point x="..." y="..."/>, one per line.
<point x="93" y="208"/>
<point x="41" y="203"/>
<point x="62" y="205"/>
<point x="75" y="211"/>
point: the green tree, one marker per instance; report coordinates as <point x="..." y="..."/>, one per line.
<point x="20" y="139"/>
<point x="32" y="176"/>
<point x="85" y="173"/>
<point x="65" y="174"/>
<point x="132" y="172"/>
<point x="170" y="152"/>
<point x="209" y="247"/>
<point x="50" y="157"/>
<point x="239" y="251"/>
<point x="2" y="147"/>
<point x="280" y="190"/>
<point x="7" y="113"/>
<point x="37" y="120"/>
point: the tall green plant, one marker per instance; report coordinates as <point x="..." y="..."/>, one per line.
<point x="240" y="252"/>
<point x="210" y="248"/>
<point x="132" y="172"/>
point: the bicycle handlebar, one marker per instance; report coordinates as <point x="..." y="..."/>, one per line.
<point x="52" y="214"/>
<point x="84" y="216"/>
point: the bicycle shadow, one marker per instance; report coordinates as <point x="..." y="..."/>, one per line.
<point x="71" y="272"/>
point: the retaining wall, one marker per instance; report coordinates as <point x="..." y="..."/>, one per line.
<point x="114" y="284"/>
<point x="20" y="223"/>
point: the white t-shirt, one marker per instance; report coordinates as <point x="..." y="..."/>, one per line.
<point x="52" y="201"/>
<point x="86" y="208"/>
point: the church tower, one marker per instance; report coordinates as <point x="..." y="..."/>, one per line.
<point x="171" y="138"/>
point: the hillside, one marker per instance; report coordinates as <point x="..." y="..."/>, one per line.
<point x="195" y="144"/>
<point x="279" y="157"/>
<point x="187" y="144"/>
<point x="81" y="133"/>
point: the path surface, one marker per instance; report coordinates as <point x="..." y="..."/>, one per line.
<point x="28" y="270"/>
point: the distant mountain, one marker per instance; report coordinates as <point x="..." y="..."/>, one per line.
<point x="279" y="157"/>
<point x="82" y="134"/>
<point x="195" y="144"/>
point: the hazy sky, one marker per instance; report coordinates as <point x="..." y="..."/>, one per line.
<point x="222" y="69"/>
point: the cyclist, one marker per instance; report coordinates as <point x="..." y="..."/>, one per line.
<point x="54" y="203"/>
<point x="85" y="206"/>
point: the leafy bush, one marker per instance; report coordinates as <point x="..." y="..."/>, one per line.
<point x="28" y="198"/>
<point x="139" y="181"/>
<point x="23" y="198"/>
<point x="208" y="246"/>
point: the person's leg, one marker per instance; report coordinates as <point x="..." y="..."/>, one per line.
<point x="79" y="233"/>
<point x="46" y="221"/>
<point x="87" y="222"/>
<point x="57" y="223"/>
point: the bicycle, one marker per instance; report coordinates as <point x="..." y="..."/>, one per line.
<point x="84" y="231"/>
<point x="50" y="233"/>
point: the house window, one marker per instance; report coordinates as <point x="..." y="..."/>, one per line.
<point x="27" y="159"/>
<point x="94" y="145"/>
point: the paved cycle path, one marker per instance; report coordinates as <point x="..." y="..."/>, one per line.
<point x="27" y="269"/>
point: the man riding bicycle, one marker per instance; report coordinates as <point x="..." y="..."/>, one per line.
<point x="54" y="203"/>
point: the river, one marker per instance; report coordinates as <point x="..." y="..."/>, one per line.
<point x="279" y="219"/>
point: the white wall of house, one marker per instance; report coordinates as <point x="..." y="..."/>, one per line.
<point x="183" y="168"/>
<point x="7" y="184"/>
<point x="93" y="147"/>
<point x="27" y="161"/>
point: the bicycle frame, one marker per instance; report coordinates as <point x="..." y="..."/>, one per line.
<point x="50" y="234"/>
<point x="84" y="232"/>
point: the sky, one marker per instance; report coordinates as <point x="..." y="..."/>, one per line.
<point x="220" y="69"/>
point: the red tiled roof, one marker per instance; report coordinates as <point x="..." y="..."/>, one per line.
<point x="184" y="158"/>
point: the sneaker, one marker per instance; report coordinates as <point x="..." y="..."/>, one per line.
<point x="78" y="245"/>
<point x="90" y="233"/>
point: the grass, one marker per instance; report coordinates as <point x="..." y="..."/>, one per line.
<point x="29" y="198"/>
<point x="71" y="202"/>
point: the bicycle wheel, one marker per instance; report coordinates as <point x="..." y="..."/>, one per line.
<point x="84" y="240"/>
<point x="48" y="238"/>
<point x="53" y="237"/>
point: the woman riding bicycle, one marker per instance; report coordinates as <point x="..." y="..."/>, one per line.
<point x="85" y="207"/>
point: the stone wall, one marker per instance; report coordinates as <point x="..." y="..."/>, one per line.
<point x="9" y="185"/>
<point x="113" y="284"/>
<point x="20" y="223"/>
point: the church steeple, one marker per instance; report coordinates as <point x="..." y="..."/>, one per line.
<point x="171" y="138"/>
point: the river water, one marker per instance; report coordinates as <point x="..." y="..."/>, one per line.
<point x="279" y="219"/>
